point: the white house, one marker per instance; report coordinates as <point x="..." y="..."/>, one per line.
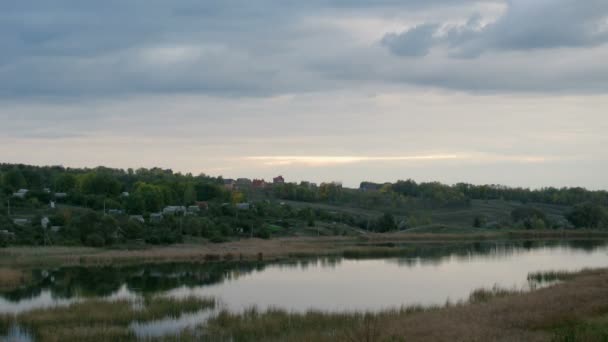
<point x="156" y="217"/>
<point x="139" y="218"/>
<point x="21" y="193"/>
<point x="21" y="222"/>
<point x="44" y="222"/>
<point x="174" y="209"/>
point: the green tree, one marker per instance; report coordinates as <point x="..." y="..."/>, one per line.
<point x="588" y="215"/>
<point x="14" y="180"/>
<point x="386" y="223"/>
<point x="189" y="194"/>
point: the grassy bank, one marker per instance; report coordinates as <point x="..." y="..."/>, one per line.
<point x="268" y="250"/>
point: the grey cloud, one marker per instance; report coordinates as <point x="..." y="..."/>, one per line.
<point x="526" y="25"/>
<point x="415" y="42"/>
<point x="76" y="49"/>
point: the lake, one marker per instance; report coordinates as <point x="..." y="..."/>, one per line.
<point x="422" y="275"/>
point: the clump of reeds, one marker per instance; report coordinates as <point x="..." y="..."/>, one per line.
<point x="485" y="295"/>
<point x="551" y="276"/>
<point x="99" y="320"/>
<point x="12" y="278"/>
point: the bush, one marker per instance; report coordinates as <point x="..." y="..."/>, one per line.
<point x="95" y="240"/>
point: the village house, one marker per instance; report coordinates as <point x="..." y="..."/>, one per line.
<point x="369" y="187"/>
<point x="138" y="218"/>
<point x="7" y="235"/>
<point x="156" y="217"/>
<point x="258" y="183"/>
<point x="194" y="209"/>
<point x="44" y="222"/>
<point x="59" y="195"/>
<point x="174" y="210"/>
<point x="115" y="212"/>
<point x="278" y="180"/>
<point x="124" y="194"/>
<point x="243" y="183"/>
<point x="21" y="193"/>
<point x="21" y="222"/>
<point x="229" y="184"/>
<point x="202" y="205"/>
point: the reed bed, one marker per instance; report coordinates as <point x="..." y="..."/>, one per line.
<point x="98" y="320"/>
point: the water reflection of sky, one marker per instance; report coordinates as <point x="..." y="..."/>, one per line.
<point x="425" y="276"/>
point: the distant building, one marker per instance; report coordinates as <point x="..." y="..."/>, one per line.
<point x="194" y="209"/>
<point x="369" y="187"/>
<point x="21" y="222"/>
<point x="243" y="183"/>
<point x="46" y="190"/>
<point x="115" y="212"/>
<point x="202" y="205"/>
<point x="55" y="229"/>
<point x="278" y="180"/>
<point x="259" y="183"/>
<point x="44" y="222"/>
<point x="229" y="184"/>
<point x="52" y="205"/>
<point x="124" y="194"/>
<point x="174" y="210"/>
<point x="6" y="234"/>
<point x="60" y="195"/>
<point x="21" y="193"/>
<point x="138" y="218"/>
<point x="156" y="217"/>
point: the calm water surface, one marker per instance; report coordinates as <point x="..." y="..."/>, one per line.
<point x="425" y="275"/>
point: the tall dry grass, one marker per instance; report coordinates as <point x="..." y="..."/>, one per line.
<point x="11" y="278"/>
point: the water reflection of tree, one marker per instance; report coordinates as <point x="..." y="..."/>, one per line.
<point x="434" y="254"/>
<point x="73" y="282"/>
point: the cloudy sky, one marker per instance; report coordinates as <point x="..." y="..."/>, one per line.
<point x="485" y="91"/>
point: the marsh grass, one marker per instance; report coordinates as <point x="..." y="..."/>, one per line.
<point x="11" y="278"/>
<point x="551" y="276"/>
<point x="97" y="320"/>
<point x="281" y="325"/>
<point x="486" y="295"/>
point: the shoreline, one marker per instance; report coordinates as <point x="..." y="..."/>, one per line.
<point x="275" y="249"/>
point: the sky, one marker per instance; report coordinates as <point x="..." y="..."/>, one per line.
<point x="511" y="92"/>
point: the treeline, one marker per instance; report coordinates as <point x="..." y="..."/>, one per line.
<point x="434" y="194"/>
<point x="562" y="196"/>
<point x="136" y="191"/>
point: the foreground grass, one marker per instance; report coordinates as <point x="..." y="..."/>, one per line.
<point x="97" y="320"/>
